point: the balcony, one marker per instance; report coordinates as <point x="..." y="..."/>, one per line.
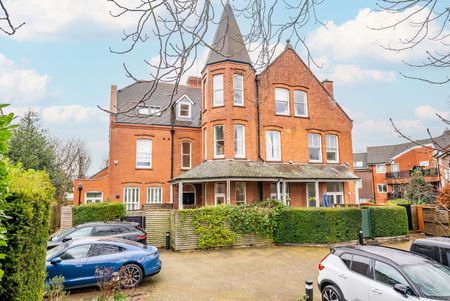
<point x="394" y="195"/>
<point x="430" y="174"/>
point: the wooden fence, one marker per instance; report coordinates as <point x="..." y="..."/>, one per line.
<point x="157" y="223"/>
<point x="436" y="221"/>
<point x="184" y="237"/>
<point x="66" y="217"/>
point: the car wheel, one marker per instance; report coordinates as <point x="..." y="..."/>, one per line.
<point x="331" y="293"/>
<point x="131" y="275"/>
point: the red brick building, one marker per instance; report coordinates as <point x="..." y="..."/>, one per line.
<point x="231" y="136"/>
<point x="391" y="166"/>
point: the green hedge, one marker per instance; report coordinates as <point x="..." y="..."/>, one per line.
<point x="28" y="205"/>
<point x="98" y="212"/>
<point x="388" y="221"/>
<point x="398" y="202"/>
<point x="318" y="225"/>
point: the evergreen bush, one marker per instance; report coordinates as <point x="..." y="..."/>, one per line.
<point x="98" y="212"/>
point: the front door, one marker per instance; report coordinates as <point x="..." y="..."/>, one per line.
<point x="188" y="198"/>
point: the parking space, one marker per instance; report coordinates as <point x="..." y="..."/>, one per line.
<point x="273" y="273"/>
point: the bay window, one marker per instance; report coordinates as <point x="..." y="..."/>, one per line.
<point x="219" y="193"/>
<point x="218" y="90"/>
<point x="219" y="142"/>
<point x="241" y="197"/>
<point x="238" y="89"/>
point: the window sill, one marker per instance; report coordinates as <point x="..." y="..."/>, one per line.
<point x="333" y="162"/>
<point x="285" y="115"/>
<point x="274" y="160"/>
<point x="218" y="106"/>
<point x="302" y="116"/>
<point x="143" y="168"/>
<point x="186" y="168"/>
<point x="219" y="157"/>
<point x="240" y="106"/>
<point x="240" y="157"/>
<point x="315" y="161"/>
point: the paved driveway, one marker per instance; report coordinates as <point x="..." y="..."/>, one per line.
<point x="273" y="273"/>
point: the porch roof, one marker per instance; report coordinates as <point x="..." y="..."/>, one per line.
<point x="233" y="169"/>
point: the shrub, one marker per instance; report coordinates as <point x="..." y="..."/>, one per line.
<point x="444" y="196"/>
<point x="28" y="205"/>
<point x="318" y="225"/>
<point x="98" y="212"/>
<point x="398" y="202"/>
<point x="388" y="221"/>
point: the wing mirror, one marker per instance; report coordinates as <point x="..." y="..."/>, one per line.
<point x="66" y="239"/>
<point x="401" y="288"/>
<point x="55" y="260"/>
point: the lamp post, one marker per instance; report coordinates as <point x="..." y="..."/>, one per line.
<point x="80" y="188"/>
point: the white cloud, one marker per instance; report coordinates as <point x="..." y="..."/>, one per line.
<point x="54" y="19"/>
<point x="19" y="85"/>
<point x="355" y="38"/>
<point x="347" y="74"/>
<point x="71" y="114"/>
<point x="428" y="112"/>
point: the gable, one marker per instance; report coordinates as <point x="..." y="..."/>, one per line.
<point x="290" y="70"/>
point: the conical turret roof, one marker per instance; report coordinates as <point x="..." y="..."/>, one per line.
<point x="228" y="44"/>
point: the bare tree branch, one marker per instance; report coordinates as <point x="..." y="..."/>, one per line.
<point x="6" y="25"/>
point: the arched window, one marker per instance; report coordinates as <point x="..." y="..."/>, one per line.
<point x="189" y="197"/>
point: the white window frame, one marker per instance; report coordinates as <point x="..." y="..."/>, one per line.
<point x="358" y="163"/>
<point x="307" y="194"/>
<point x="219" y="194"/>
<point x="271" y="146"/>
<point x="151" y="192"/>
<point x="205" y="143"/>
<point x="273" y="194"/>
<point x="315" y="146"/>
<point x="282" y="100"/>
<point x="240" y="77"/>
<point x="236" y="154"/>
<point x="92" y="200"/>
<point x="305" y="103"/>
<point x="218" y="78"/>
<point x="340" y="193"/>
<point x="136" y="204"/>
<point x="380" y="168"/>
<point x="392" y="167"/>
<point x="216" y="155"/>
<point x="182" y="155"/>
<point x="382" y="185"/>
<point x="337" y="148"/>
<point x="151" y="110"/>
<point x="184" y="101"/>
<point x="245" y="193"/>
<point x="150" y="155"/>
<point x="424" y="163"/>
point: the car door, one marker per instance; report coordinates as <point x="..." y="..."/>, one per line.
<point x="79" y="233"/>
<point x="104" y="258"/>
<point x="103" y="230"/>
<point x="385" y="276"/>
<point x="71" y="266"/>
<point x="353" y="282"/>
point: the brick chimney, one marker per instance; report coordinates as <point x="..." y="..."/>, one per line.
<point x="328" y="85"/>
<point x="194" y="81"/>
<point x="113" y="103"/>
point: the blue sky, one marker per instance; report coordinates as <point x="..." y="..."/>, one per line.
<point x="59" y="63"/>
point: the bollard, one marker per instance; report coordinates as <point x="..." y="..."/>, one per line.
<point x="361" y="238"/>
<point x="167" y="240"/>
<point x="309" y="290"/>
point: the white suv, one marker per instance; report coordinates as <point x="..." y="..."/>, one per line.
<point x="372" y="273"/>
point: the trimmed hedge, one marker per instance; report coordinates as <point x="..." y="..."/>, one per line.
<point x="388" y="221"/>
<point x="98" y="212"/>
<point x="398" y="202"/>
<point x="28" y="205"/>
<point x="318" y="225"/>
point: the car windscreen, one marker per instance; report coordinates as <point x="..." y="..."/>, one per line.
<point x="60" y="234"/>
<point x="55" y="250"/>
<point x="431" y="279"/>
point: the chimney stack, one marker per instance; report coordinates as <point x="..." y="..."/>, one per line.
<point x="328" y="85"/>
<point x="113" y="103"/>
<point x="194" y="81"/>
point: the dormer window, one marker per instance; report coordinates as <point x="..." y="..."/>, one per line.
<point x="184" y="108"/>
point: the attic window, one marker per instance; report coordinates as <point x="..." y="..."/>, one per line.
<point x="358" y="164"/>
<point x="150" y="110"/>
<point x="184" y="109"/>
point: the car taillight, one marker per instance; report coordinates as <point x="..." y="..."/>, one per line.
<point x="142" y="236"/>
<point x="321" y="266"/>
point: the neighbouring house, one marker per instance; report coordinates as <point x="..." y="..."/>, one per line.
<point x="232" y="136"/>
<point x="391" y="166"/>
<point x="442" y="157"/>
<point x="364" y="185"/>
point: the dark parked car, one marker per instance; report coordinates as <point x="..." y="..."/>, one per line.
<point x="381" y="274"/>
<point x="130" y="231"/>
<point x="436" y="248"/>
<point x="77" y="260"/>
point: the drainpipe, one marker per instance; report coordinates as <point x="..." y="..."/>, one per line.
<point x="258" y="136"/>
<point x="172" y="142"/>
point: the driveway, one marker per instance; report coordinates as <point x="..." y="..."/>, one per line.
<point x="272" y="273"/>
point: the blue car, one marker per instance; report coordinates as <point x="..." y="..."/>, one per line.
<point x="78" y="261"/>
